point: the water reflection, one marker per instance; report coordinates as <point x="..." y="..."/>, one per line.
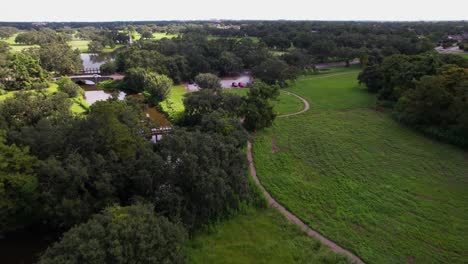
<point x="95" y="93"/>
<point x="94" y="60"/>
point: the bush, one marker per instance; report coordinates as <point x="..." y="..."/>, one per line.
<point x="67" y="86"/>
<point x="109" y="67"/>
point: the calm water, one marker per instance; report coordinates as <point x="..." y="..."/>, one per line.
<point x="92" y="60"/>
<point x="95" y="93"/>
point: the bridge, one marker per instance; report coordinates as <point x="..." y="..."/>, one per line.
<point x="90" y="71"/>
<point x="91" y="79"/>
<point x="156" y="134"/>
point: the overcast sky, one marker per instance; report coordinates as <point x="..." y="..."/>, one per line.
<point x="131" y="10"/>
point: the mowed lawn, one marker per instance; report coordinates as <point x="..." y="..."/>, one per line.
<point x="375" y="187"/>
<point x="258" y="236"/>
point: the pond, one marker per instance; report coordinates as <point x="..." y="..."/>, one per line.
<point x="95" y="93"/>
<point x="93" y="60"/>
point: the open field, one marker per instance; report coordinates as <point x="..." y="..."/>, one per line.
<point x="159" y="35"/>
<point x="82" y="45"/>
<point x="258" y="236"/>
<point x="15" y="46"/>
<point x="254" y="39"/>
<point x="354" y="174"/>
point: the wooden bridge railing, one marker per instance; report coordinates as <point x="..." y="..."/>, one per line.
<point x="90" y="71"/>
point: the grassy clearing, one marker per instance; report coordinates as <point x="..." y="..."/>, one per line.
<point x="285" y="103"/>
<point x="81" y="45"/>
<point x="159" y="35"/>
<point x="15" y="47"/>
<point x="258" y="236"/>
<point x="254" y="39"/>
<point x="464" y="55"/>
<point x="379" y="189"/>
<point x="174" y="105"/>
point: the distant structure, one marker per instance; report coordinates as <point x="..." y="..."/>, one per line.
<point x="459" y="37"/>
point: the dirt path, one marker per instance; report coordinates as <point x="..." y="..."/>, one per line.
<point x="290" y="216"/>
<point x="306" y="106"/>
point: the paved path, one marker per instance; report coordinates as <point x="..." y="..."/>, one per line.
<point x="290" y="216"/>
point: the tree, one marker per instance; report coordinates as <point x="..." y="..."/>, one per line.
<point x="109" y="67"/>
<point x="205" y="177"/>
<point x="146" y="35"/>
<point x="208" y="81"/>
<point x="26" y="109"/>
<point x="66" y="85"/>
<point x="204" y="102"/>
<point x="24" y="73"/>
<point x="229" y="63"/>
<point x="157" y="88"/>
<point x="274" y="71"/>
<point x="95" y="46"/>
<point x="18" y="186"/>
<point x="60" y="58"/>
<point x="132" y="234"/>
<point x="135" y="79"/>
<point x="257" y="108"/>
<point x="6" y="32"/>
<point x="372" y="77"/>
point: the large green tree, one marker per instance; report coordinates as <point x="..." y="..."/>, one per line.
<point x="18" y="186"/>
<point x="257" y="108"/>
<point x="59" y="57"/>
<point x="120" y="235"/>
<point x="208" y="81"/>
<point x="157" y="88"/>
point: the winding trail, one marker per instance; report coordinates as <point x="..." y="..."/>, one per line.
<point x="306" y="106"/>
<point x="290" y="216"/>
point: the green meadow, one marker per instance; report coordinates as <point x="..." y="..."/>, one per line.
<point x="375" y="187"/>
<point x="258" y="236"/>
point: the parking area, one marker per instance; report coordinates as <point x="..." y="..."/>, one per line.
<point x="226" y="83"/>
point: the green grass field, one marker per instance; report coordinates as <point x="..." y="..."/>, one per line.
<point x="174" y="105"/>
<point x="464" y="55"/>
<point x="375" y="187"/>
<point x="258" y="236"/>
<point x="254" y="39"/>
<point x="15" y="46"/>
<point x="82" y="45"/>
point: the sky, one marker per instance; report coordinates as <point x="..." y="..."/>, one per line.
<point x="139" y="10"/>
